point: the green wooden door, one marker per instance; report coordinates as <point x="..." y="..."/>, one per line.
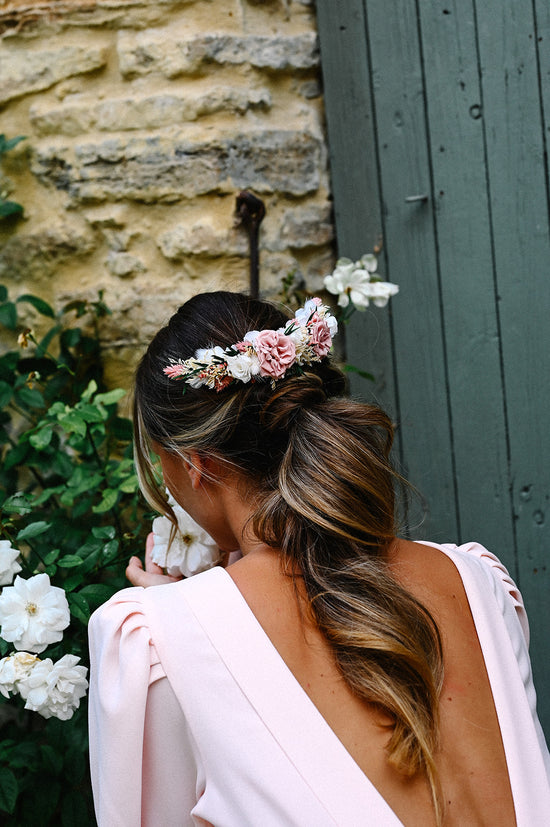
<point x="447" y="102"/>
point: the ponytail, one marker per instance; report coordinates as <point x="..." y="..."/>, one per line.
<point x="332" y="514"/>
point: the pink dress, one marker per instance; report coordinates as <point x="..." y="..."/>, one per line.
<point x="195" y="718"/>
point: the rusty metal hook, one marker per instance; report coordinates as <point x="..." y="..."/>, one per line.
<point x="250" y="211"/>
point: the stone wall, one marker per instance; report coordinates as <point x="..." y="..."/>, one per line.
<point x="143" y="121"/>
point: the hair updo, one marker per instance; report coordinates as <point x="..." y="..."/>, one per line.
<point x="317" y="465"/>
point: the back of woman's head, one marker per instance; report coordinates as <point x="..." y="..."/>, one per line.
<point x="296" y="432"/>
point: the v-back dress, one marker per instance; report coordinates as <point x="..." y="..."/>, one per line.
<point x="195" y="718"/>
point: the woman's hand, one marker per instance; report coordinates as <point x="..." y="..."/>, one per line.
<point x="152" y="575"/>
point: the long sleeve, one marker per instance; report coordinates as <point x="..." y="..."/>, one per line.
<point x="141" y="756"/>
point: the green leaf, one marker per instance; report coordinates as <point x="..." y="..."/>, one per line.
<point x="6" y="393"/>
<point x="90" y="390"/>
<point x="45" y="342"/>
<point x="70" y="338"/>
<point x="73" y="423"/>
<point x="79" y="607"/>
<point x="104" y="532"/>
<point x="29" y="397"/>
<point x="8" y="208"/>
<point x="130" y="484"/>
<point x="73" y="581"/>
<point x="8" y="315"/>
<point x="15" y="456"/>
<point x="33" y="530"/>
<point x="110" y="397"/>
<point x="7" y="144"/>
<point x="110" y="549"/>
<point x="18" y="504"/>
<point x="97" y="593"/>
<point x="52" y="759"/>
<point x="108" y="501"/>
<point x="3" y="292"/>
<point x="91" y="413"/>
<point x="39" y="304"/>
<point x="9" y="790"/>
<point x="52" y="556"/>
<point x="70" y="561"/>
<point x="42" y="438"/>
<point x="363" y="373"/>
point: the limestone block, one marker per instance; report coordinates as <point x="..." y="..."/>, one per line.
<point x="274" y="267"/>
<point x="203" y="239"/>
<point x="307" y="226"/>
<point x="38" y="254"/>
<point x="171" y="168"/>
<point x="79" y="116"/>
<point x="124" y="265"/>
<point x="141" y="53"/>
<point x="23" y="71"/>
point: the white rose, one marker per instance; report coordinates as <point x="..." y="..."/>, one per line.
<point x="33" y="613"/>
<point x="15" y="669"/>
<point x="192" y="549"/>
<point x="9" y="566"/>
<point x="55" y="689"/>
<point x="243" y="366"/>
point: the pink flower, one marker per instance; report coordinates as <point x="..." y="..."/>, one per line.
<point x="276" y="352"/>
<point x="173" y="371"/>
<point x="321" y="340"/>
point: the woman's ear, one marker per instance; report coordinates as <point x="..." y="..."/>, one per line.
<point x="195" y="467"/>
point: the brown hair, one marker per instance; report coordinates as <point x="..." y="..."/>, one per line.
<point x="324" y="496"/>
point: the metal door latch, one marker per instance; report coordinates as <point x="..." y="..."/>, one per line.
<point x="411" y="199"/>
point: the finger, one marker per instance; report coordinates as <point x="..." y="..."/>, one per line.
<point x="150" y="566"/>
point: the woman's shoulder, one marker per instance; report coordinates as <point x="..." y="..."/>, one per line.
<point x="481" y="573"/>
<point x="132" y="614"/>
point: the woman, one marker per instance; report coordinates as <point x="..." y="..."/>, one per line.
<point x="334" y="674"/>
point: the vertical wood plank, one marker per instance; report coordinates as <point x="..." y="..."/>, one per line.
<point x="412" y="260"/>
<point x="355" y="184"/>
<point x="516" y="165"/>
<point x="466" y="261"/>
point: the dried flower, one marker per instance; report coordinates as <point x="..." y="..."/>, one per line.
<point x="25" y="337"/>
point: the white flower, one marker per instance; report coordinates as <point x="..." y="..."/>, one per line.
<point x="368" y="262"/>
<point x="382" y="291"/>
<point x="206" y="354"/>
<point x="250" y="336"/>
<point x="8" y="563"/>
<point x="243" y="366"/>
<point x="192" y="549"/>
<point x="55" y="689"/>
<point x="33" y="613"/>
<point x="14" y="670"/>
<point x="303" y="313"/>
<point x="355" y="282"/>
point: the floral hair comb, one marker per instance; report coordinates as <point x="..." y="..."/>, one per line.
<point x="262" y="354"/>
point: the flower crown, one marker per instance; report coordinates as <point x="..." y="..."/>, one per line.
<point x="262" y="354"/>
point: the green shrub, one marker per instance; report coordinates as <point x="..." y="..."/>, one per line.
<point x="69" y="503"/>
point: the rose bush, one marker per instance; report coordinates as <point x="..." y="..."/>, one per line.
<point x="70" y="518"/>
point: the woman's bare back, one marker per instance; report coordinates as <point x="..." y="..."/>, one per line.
<point x="471" y="760"/>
